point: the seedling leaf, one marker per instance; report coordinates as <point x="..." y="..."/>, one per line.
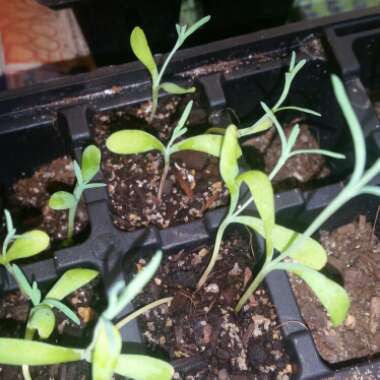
<point x="90" y="163"/>
<point x="70" y="281"/>
<point x="229" y="168"/>
<point x="120" y="296"/>
<point x="141" y="49"/>
<point x="173" y="88"/>
<point x="310" y="253"/>
<point x="331" y="295"/>
<point x="42" y="319"/>
<point x="26" y="352"/>
<point x="262" y="192"/>
<point x="133" y="141"/>
<point x="193" y="28"/>
<point x="28" y="244"/>
<point x="210" y="144"/>
<point x="153" y="369"/>
<point x="106" y="351"/>
<point x="62" y="200"/>
<point x="63" y="308"/>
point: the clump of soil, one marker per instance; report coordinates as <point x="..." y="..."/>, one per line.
<point x="30" y="196"/>
<point x="85" y="302"/>
<point x="192" y="187"/>
<point x="298" y="171"/>
<point x="200" y="331"/>
<point x="354" y="252"/>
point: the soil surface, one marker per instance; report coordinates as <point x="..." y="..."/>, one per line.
<point x="300" y="170"/>
<point x="201" y="333"/>
<point x="354" y="253"/>
<point x="85" y="302"/>
<point x="193" y="184"/>
<point x="28" y="203"/>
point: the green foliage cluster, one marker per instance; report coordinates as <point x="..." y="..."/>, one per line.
<point x="63" y="200"/>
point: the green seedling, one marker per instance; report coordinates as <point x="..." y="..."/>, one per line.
<point x="63" y="200"/>
<point x="142" y="51"/>
<point x="104" y="352"/>
<point x="266" y="122"/>
<point x="298" y="252"/>
<point x="229" y="170"/>
<point x="135" y="141"/>
<point x="16" y="247"/>
<point x="41" y="317"/>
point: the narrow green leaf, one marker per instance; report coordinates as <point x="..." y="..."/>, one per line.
<point x="94" y="185"/>
<point x="32" y="292"/>
<point x="152" y="369"/>
<point x="179" y="130"/>
<point x="310" y="253"/>
<point x="42" y="319"/>
<point x="63" y="308"/>
<point x="371" y="190"/>
<point x="106" y="351"/>
<point x="262" y="192"/>
<point x="26" y="352"/>
<point x="193" y="28"/>
<point x="331" y="295"/>
<point x="229" y="167"/>
<point x="28" y="244"/>
<point x="70" y="281"/>
<point x="217" y="130"/>
<point x="210" y="144"/>
<point x="133" y="141"/>
<point x="173" y="88"/>
<point x="78" y="173"/>
<point x="141" y="49"/>
<point x="61" y="200"/>
<point x="90" y="162"/>
<point x="321" y="152"/>
<point x="129" y="292"/>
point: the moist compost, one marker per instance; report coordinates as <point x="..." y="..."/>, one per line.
<point x="354" y="252"/>
<point x="300" y="171"/>
<point x="193" y="184"/>
<point x="28" y="202"/>
<point x="200" y="332"/>
<point x="85" y="302"/>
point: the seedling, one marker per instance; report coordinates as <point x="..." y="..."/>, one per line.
<point x="104" y="352"/>
<point x="135" y="141"/>
<point x="41" y="317"/>
<point x="17" y="247"/>
<point x="142" y="51"/>
<point x="266" y="122"/>
<point x="63" y="200"/>
<point x="299" y="253"/>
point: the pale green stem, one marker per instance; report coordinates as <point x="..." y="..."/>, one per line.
<point x="71" y="222"/>
<point x="29" y="334"/>
<point x="155" y="91"/>
<point x="252" y="288"/>
<point x="214" y="256"/>
<point x="142" y="310"/>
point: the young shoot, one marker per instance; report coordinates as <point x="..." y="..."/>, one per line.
<point x="41" y="317"/>
<point x="134" y="141"/>
<point x="63" y="200"/>
<point x="299" y="253"/>
<point x="265" y="122"/>
<point x="141" y="49"/>
<point x="17" y="247"/>
<point x="105" y="351"/>
<point x="229" y="171"/>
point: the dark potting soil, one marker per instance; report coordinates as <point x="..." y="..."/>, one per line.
<point x="28" y="202"/>
<point x="299" y="171"/>
<point x="354" y="252"/>
<point x="200" y="331"/>
<point x="85" y="302"/>
<point x="193" y="184"/>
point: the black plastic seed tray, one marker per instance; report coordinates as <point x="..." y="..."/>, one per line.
<point x="233" y="76"/>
